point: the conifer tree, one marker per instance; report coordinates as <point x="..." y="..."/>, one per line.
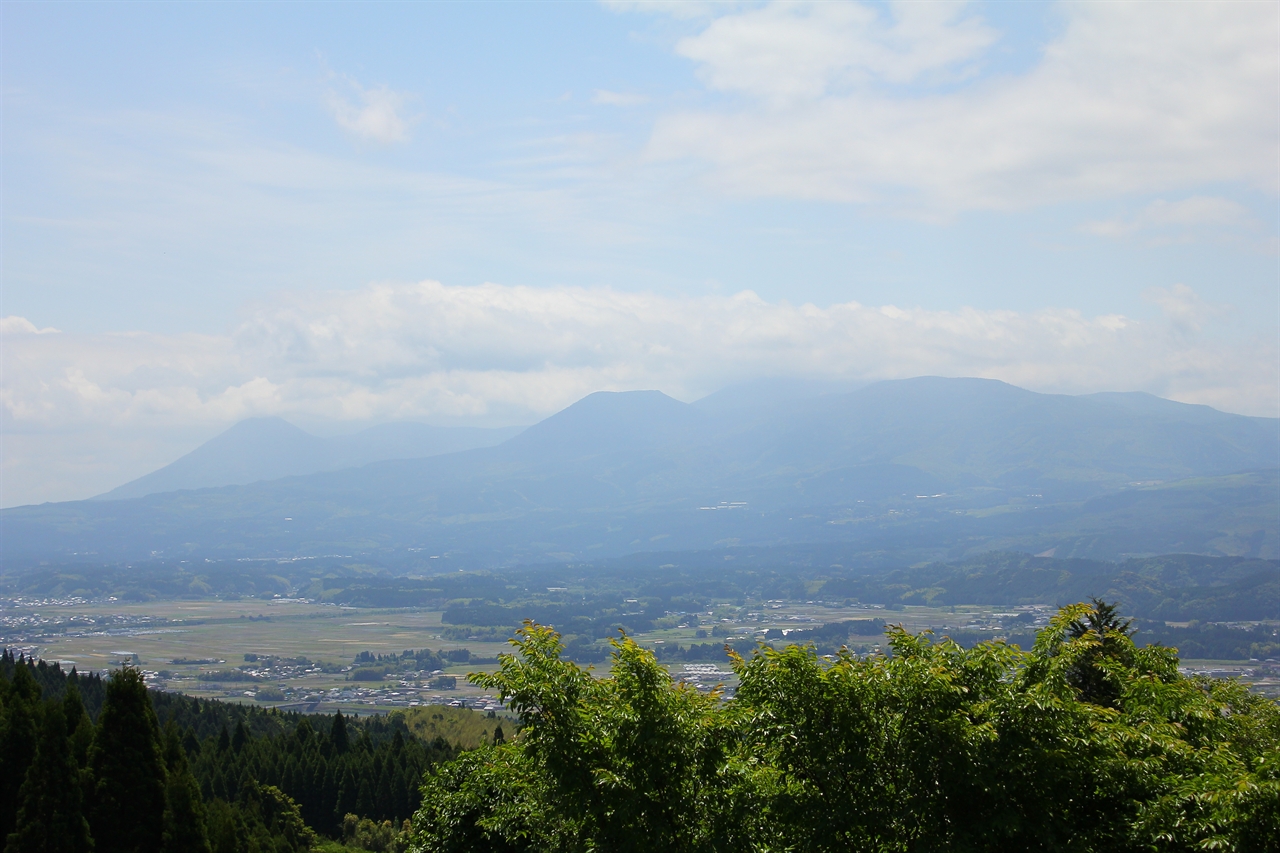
<point x="50" y="818"/>
<point x="79" y="726"/>
<point x="338" y="734"/>
<point x="190" y="743"/>
<point x="184" y="820"/>
<point x="129" y="774"/>
<point x="240" y="738"/>
<point x="17" y="741"/>
<point x="226" y="833"/>
<point x="1106" y="634"/>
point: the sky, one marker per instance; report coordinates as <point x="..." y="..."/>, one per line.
<point x="477" y="213"/>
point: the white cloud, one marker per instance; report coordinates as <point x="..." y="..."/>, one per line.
<point x="1130" y="98"/>
<point x="618" y="99"/>
<point x="14" y="325"/>
<point x="789" y="51"/>
<point x="1183" y="307"/>
<point x="432" y="351"/>
<point x="680" y="9"/>
<point x="374" y="114"/>
<point x="1196" y="212"/>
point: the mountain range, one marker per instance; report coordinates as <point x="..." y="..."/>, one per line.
<point x="908" y="470"/>
<point x="270" y="448"/>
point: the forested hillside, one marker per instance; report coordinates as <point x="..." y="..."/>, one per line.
<point x="82" y="758"/>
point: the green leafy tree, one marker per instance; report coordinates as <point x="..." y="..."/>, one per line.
<point x="363" y="834"/>
<point x="1103" y="638"/>
<point x="128" y="769"/>
<point x="1086" y="742"/>
<point x="623" y="763"/>
<point x="273" y="820"/>
<point x="50" y="817"/>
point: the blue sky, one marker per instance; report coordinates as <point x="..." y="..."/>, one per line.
<point x="477" y="213"/>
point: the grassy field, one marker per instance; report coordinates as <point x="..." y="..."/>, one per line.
<point x="179" y="641"/>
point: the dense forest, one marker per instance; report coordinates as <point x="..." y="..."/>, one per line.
<point x="1086" y="742"/>
<point x="84" y="758"/>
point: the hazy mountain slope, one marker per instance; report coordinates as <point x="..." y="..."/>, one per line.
<point x="259" y="449"/>
<point x="971" y="431"/>
<point x="932" y="467"/>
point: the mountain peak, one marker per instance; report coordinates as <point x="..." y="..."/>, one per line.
<point x="611" y="419"/>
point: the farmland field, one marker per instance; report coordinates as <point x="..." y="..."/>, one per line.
<point x="298" y="653"/>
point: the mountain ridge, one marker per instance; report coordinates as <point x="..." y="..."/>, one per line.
<point x="925" y="465"/>
<point x="269" y="448"/>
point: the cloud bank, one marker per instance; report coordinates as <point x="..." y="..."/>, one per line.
<point x="840" y="102"/>
<point x="493" y="352"/>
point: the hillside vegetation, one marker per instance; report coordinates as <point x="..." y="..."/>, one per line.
<point x="1085" y="743"/>
<point x="85" y="759"/>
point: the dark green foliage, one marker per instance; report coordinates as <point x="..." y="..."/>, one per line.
<point x="50" y="816"/>
<point x="369" y="673"/>
<point x="52" y="681"/>
<point x="338" y="734"/>
<point x="307" y="760"/>
<point x="128" y="770"/>
<point x="240" y="738"/>
<point x="272" y="820"/>
<point x="203" y="788"/>
<point x="1104" y="641"/>
<point x="1084" y="743"/>
<point x="411" y="659"/>
<point x="1214" y="642"/>
<point x="184" y="821"/>
<point x="262" y="819"/>
<point x="18" y="701"/>
<point x="79" y="726"/>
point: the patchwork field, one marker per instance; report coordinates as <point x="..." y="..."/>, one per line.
<point x="297" y="653"/>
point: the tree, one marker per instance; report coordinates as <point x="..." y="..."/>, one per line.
<point x="184" y="818"/>
<point x="240" y="738"/>
<point x="1084" y="743"/>
<point x="273" y="820"/>
<point x="129" y="773"/>
<point x="50" y="818"/>
<point x="18" y="702"/>
<point x="79" y="726"/>
<point x="1104" y="637"/>
<point x="338" y="734"/>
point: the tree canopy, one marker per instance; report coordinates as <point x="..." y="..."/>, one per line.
<point x="1085" y="742"/>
